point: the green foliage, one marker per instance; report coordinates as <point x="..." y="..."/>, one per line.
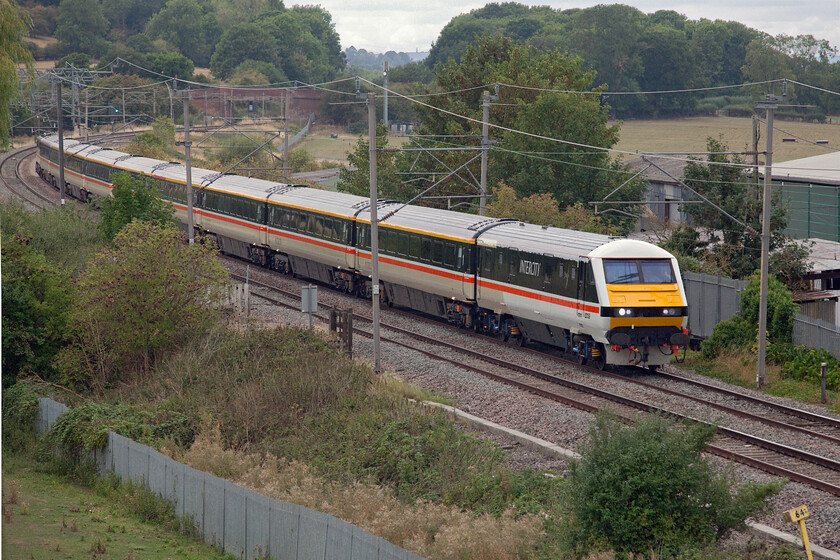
<point x="20" y="411"/>
<point x="82" y="26"/>
<point x="781" y="309"/>
<point x="648" y="488"/>
<point x="190" y="26"/>
<point x="735" y="332"/>
<point x="14" y="27"/>
<point x="530" y="98"/>
<point x="139" y="298"/>
<point x="77" y="60"/>
<point x="133" y="200"/>
<point x="67" y="239"/>
<point x="801" y="362"/>
<point x="35" y="300"/>
<point x="301" y="42"/>
<point x="740" y="331"/>
<point x="85" y="428"/>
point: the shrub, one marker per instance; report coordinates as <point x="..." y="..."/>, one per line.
<point x="739" y="330"/>
<point x="144" y="296"/>
<point x="732" y="333"/>
<point x="647" y="488"/>
<point x="803" y="363"/>
<point x="20" y="411"/>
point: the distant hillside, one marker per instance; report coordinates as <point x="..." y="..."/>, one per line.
<point x="375" y="61"/>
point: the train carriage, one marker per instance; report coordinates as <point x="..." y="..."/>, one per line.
<point x="607" y="300"/>
<point x="426" y="257"/>
<point x="312" y="232"/>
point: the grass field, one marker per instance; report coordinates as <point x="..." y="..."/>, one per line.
<point x="652" y="136"/>
<point x="47" y="517"/>
<point x="689" y="135"/>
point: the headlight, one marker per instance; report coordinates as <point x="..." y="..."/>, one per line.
<point x="671" y="311"/>
<point x="625" y="312"/>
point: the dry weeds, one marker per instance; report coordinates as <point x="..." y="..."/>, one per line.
<point x="431" y="530"/>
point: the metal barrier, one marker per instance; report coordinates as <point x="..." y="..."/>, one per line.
<point x="817" y="334"/>
<point x="711" y="299"/>
<point x="237" y="520"/>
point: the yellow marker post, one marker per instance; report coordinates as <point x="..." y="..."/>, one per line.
<point x="799" y="515"/>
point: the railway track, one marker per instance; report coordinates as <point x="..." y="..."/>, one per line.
<point x="792" y="463"/>
<point x="12" y="178"/>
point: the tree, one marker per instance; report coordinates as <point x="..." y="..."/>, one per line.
<point x="82" y="26"/>
<point x="647" y="488"/>
<point x="138" y="299"/>
<point x="358" y="181"/>
<point x="733" y="248"/>
<point x="132" y="201"/>
<point x="245" y="41"/>
<point x="189" y="26"/>
<point x="530" y="163"/>
<point x="14" y="26"/>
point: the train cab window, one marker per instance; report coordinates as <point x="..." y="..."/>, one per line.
<point x="639" y="271"/>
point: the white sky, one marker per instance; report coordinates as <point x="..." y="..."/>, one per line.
<point x="402" y="25"/>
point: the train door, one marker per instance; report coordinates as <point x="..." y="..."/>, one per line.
<point x="580" y="299"/>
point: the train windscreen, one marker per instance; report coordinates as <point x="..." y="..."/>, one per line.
<point x="639" y="271"/>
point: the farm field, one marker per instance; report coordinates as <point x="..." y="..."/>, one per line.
<point x="690" y="134"/>
<point x="650" y="136"/>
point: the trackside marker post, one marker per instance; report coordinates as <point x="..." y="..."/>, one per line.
<point x="309" y="301"/>
<point x="799" y="515"/>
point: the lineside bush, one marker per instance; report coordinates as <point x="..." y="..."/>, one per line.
<point x="646" y="490"/>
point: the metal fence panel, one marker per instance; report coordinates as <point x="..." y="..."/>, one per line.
<point x="365" y="545"/>
<point x="193" y="489"/>
<point x="120" y="452"/>
<point x="339" y="539"/>
<point x="48" y="412"/>
<point x="138" y="462"/>
<point x="284" y="522"/>
<point x="174" y="484"/>
<point x="234" y="516"/>
<point x="711" y="299"/>
<point x="814" y="333"/>
<point x="214" y="510"/>
<point x="256" y="525"/>
<point x="157" y="472"/>
<point x="312" y="535"/>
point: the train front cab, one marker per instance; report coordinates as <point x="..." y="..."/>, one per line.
<point x="646" y="311"/>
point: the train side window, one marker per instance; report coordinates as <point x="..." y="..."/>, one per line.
<point x="414" y="246"/>
<point x="402" y="247"/>
<point x="449" y="254"/>
<point x="426" y="249"/>
<point x="437" y="251"/>
<point x="590" y="292"/>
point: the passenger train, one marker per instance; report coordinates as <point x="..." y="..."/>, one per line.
<point x="604" y="300"/>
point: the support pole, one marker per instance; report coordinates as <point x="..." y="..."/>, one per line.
<point x="188" y="164"/>
<point x="385" y="97"/>
<point x="60" y="111"/>
<point x="765" y="250"/>
<point x="485" y="141"/>
<point x="374" y="232"/>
